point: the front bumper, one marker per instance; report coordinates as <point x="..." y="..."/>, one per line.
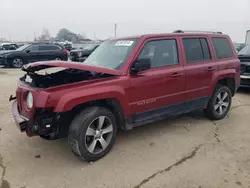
<point x="20" y="121"/>
<point x="2" y="61"/>
<point x="46" y="123"/>
<point x="245" y="81"/>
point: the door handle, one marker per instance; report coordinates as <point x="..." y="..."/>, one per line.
<point x="210" y="69"/>
<point x="176" y="74"/>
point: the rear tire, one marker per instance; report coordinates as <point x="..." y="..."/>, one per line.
<point x="58" y="58"/>
<point x="92" y="133"/>
<point x="219" y="104"/>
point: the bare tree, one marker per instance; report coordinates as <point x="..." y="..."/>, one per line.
<point x="45" y="35"/>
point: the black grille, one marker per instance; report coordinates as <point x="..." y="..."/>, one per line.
<point x="23" y="126"/>
<point x="242" y="68"/>
<point x="245" y="69"/>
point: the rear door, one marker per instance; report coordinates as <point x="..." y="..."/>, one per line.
<point x="153" y="91"/>
<point x="199" y="68"/>
<point x="48" y="52"/>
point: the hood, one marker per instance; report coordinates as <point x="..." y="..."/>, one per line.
<point x="32" y="67"/>
<point x="2" y="52"/>
<point x="84" y="51"/>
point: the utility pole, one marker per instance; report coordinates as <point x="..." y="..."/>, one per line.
<point x="115" y="27"/>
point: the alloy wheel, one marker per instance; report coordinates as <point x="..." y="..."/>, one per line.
<point x="99" y="134"/>
<point x="17" y="63"/>
<point x="221" y="103"/>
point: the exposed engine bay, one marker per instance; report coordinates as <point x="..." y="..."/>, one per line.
<point x="61" y="77"/>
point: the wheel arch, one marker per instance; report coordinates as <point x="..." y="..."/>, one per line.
<point x="226" y="78"/>
<point x="112" y="104"/>
<point x="229" y="82"/>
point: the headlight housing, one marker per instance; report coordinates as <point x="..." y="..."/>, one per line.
<point x="79" y="54"/>
<point x="29" y="100"/>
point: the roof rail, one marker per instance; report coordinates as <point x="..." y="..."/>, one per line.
<point x="185" y="31"/>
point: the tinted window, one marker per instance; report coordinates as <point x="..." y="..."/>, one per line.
<point x="161" y="52"/>
<point x="45" y="48"/>
<point x="196" y="49"/>
<point x="222" y="48"/>
<point x="33" y="48"/>
<point x="55" y="47"/>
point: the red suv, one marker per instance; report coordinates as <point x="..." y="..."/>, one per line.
<point x="125" y="83"/>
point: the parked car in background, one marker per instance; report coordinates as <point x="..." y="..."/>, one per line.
<point x="239" y="46"/>
<point x="125" y="83"/>
<point x="8" y="46"/>
<point x="244" y="56"/>
<point x="80" y="55"/>
<point x="32" y="53"/>
<point x="19" y="45"/>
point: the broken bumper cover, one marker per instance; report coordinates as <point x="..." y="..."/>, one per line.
<point x="24" y="124"/>
<point x="20" y="121"/>
<point x="52" y="125"/>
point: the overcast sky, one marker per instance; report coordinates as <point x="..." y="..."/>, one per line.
<point x="20" y="19"/>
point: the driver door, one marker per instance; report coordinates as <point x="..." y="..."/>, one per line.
<point x="154" y="92"/>
<point x="33" y="53"/>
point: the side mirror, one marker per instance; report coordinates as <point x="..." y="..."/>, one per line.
<point x="27" y="51"/>
<point x="140" y="65"/>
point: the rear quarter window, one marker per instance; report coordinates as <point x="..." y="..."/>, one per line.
<point x="55" y="47"/>
<point x="222" y="47"/>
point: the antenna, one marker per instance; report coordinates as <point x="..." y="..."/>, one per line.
<point x="115" y="28"/>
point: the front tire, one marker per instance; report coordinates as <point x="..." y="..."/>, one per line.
<point x="17" y="62"/>
<point x="92" y="133"/>
<point x="219" y="104"/>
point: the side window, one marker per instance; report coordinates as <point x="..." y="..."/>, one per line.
<point x="160" y="52"/>
<point x="33" y="48"/>
<point x="55" y="47"/>
<point x="222" y="48"/>
<point x="196" y="49"/>
<point x="45" y="48"/>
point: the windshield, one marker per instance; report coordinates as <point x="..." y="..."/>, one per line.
<point x="245" y="50"/>
<point x="111" y="54"/>
<point x="22" y="47"/>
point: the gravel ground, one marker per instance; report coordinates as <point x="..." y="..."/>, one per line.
<point x="188" y="151"/>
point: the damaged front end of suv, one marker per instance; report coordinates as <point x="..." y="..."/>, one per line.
<point x="37" y="108"/>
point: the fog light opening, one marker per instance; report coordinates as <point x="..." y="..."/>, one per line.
<point x="34" y="128"/>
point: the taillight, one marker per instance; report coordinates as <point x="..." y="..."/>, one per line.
<point x="65" y="51"/>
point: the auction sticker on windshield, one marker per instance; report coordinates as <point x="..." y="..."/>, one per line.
<point x="124" y="43"/>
